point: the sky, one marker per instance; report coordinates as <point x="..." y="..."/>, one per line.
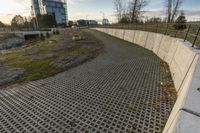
<point x="93" y="9"/>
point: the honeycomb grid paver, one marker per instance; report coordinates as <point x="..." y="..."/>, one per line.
<point x="93" y="97"/>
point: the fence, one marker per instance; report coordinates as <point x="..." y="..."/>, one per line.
<point x="7" y="29"/>
<point x="191" y="33"/>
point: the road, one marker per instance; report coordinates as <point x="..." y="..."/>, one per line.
<point x="116" y="92"/>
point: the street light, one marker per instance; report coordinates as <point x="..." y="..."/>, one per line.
<point x="103" y="17"/>
<point x="87" y="23"/>
<point x="103" y="14"/>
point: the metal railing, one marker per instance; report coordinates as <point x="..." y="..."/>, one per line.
<point x="191" y="33"/>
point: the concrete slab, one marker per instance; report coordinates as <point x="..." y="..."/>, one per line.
<point x="184" y="123"/>
<point x="193" y="95"/>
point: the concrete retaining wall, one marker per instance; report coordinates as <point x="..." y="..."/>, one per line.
<point x="184" y="63"/>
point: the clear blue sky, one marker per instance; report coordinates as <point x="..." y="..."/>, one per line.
<point x="83" y="8"/>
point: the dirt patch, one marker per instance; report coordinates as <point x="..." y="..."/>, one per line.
<point x="9" y="74"/>
<point x="93" y="47"/>
<point x="31" y="51"/>
<point x="67" y="62"/>
<point x="43" y="56"/>
<point x="62" y="46"/>
<point x="11" y="42"/>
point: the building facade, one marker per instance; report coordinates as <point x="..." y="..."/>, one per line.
<point x="83" y="22"/>
<point x="56" y="8"/>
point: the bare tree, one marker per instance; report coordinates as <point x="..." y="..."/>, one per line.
<point x="177" y="5"/>
<point x="119" y="7"/>
<point x="169" y="10"/>
<point x="172" y="9"/>
<point x="136" y="7"/>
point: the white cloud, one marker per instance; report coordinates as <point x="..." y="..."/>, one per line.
<point x="191" y="15"/>
<point x="78" y="1"/>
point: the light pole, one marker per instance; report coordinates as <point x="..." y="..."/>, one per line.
<point x="103" y="14"/>
<point x="103" y="17"/>
<point x="87" y="20"/>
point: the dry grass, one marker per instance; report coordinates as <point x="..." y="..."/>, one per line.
<point x="6" y="36"/>
<point x="168" y="85"/>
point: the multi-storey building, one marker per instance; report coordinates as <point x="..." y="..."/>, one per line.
<point x="56" y="8"/>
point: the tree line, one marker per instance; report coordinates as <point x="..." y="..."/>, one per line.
<point x="131" y="11"/>
<point x="40" y="21"/>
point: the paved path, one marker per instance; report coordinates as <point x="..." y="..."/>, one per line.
<point x="116" y="92"/>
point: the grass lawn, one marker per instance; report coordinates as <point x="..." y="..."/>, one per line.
<point x="60" y="45"/>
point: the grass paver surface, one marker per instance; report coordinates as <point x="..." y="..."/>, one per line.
<point x="124" y="89"/>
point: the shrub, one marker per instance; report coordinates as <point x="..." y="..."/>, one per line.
<point x="54" y="32"/>
<point x="42" y="37"/>
<point x="57" y="32"/>
<point x="181" y="22"/>
<point x="47" y="35"/>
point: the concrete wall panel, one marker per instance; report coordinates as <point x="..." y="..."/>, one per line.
<point x="140" y="38"/>
<point x="157" y="43"/>
<point x="120" y="34"/>
<point x="112" y="32"/>
<point x="181" y="63"/>
<point x="129" y="35"/>
<point x="165" y="47"/>
<point x="172" y="51"/>
<point x="150" y="41"/>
